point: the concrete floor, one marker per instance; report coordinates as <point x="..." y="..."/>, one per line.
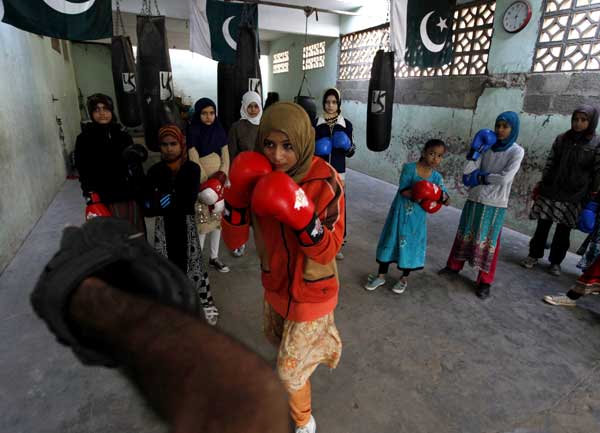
<point x="435" y="359"/>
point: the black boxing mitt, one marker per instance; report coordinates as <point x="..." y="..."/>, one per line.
<point x="113" y="250"/>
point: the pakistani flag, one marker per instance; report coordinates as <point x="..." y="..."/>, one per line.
<point x="421" y="31"/>
<point x="214" y="27"/>
<point x="63" y="19"/>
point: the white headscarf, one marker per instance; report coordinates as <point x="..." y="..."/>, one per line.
<point x="247" y="99"/>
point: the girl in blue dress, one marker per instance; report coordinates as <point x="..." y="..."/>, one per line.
<point x="403" y="239"/>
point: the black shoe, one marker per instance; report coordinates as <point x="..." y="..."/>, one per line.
<point x="483" y="291"/>
<point x="218" y="265"/>
<point x="447" y="271"/>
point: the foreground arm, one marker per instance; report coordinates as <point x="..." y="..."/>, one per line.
<point x="198" y="379"/>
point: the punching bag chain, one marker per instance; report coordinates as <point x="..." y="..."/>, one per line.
<point x="119" y="25"/>
<point x="307" y="12"/>
<point x="147" y="7"/>
<point x="384" y="42"/>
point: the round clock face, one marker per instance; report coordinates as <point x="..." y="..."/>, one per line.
<point x="516" y="16"/>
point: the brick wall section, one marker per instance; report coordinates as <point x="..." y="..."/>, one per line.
<point x="544" y="93"/>
<point x="453" y="92"/>
<point x="560" y="93"/>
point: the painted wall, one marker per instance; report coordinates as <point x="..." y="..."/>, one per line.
<point x="413" y="125"/>
<point x="89" y="61"/>
<point x="39" y="88"/>
<point x="287" y="83"/>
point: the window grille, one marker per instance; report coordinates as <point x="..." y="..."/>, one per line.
<point x="281" y="62"/>
<point x="569" y="37"/>
<point x="313" y="56"/>
<point x="472" y="26"/>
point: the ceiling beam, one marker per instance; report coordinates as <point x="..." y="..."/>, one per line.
<point x="308" y="10"/>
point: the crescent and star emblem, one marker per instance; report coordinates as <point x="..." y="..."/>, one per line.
<point x="70" y="8"/>
<point x="230" y="41"/>
<point x="427" y="42"/>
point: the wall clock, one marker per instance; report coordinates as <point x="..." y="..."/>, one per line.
<point x="516" y="16"/>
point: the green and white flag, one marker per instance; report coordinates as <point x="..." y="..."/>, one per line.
<point x="421" y="31"/>
<point x="214" y="28"/>
<point x="64" y="19"/>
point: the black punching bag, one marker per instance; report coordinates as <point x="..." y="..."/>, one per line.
<point x="244" y="75"/>
<point x="380" y="103"/>
<point x="155" y="78"/>
<point x="228" y="107"/>
<point x="247" y="64"/>
<point x="306" y="101"/>
<point x="123" y="70"/>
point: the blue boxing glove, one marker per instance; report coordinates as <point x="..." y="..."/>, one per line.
<point x="323" y="146"/>
<point x="587" y="219"/>
<point x="475" y="178"/>
<point x="341" y="141"/>
<point x="483" y="140"/>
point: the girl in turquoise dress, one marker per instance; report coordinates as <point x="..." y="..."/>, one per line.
<point x="403" y="239"/>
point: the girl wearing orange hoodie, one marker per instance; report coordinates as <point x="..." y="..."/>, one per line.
<point x="296" y="204"/>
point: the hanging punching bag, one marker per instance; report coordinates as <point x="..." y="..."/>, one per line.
<point x="380" y="102"/>
<point x="247" y="64"/>
<point x="155" y="78"/>
<point x="244" y="74"/>
<point x="123" y="70"/>
<point x="306" y="101"/>
<point x="228" y="107"/>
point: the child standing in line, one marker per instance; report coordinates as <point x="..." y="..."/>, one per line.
<point x="170" y="195"/>
<point x="403" y="239"/>
<point x="207" y="143"/>
<point x="489" y="179"/>
<point x="333" y="138"/>
<point x="242" y="135"/>
<point x="571" y="175"/>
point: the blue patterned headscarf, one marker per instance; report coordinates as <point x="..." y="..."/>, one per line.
<point x="512" y="119"/>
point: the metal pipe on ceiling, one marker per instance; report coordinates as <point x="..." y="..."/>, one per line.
<point x="307" y="9"/>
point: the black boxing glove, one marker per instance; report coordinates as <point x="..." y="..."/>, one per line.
<point x="113" y="250"/>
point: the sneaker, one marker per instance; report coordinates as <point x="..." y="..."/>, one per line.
<point x="529" y="262"/>
<point x="554" y="270"/>
<point x="560" y="299"/>
<point x="400" y="286"/>
<point x="483" y="291"/>
<point x="339" y="256"/>
<point x="218" y="265"/>
<point x="311" y="427"/>
<point x="211" y="313"/>
<point x="372" y="284"/>
<point x="239" y="252"/>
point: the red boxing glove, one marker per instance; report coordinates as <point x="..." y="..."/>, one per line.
<point x="278" y="196"/>
<point x="220" y="176"/>
<point x="211" y="191"/>
<point x="425" y="190"/>
<point x="431" y="206"/>
<point x="246" y="170"/>
<point x="95" y="208"/>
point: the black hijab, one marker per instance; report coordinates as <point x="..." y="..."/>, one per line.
<point x="206" y="138"/>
